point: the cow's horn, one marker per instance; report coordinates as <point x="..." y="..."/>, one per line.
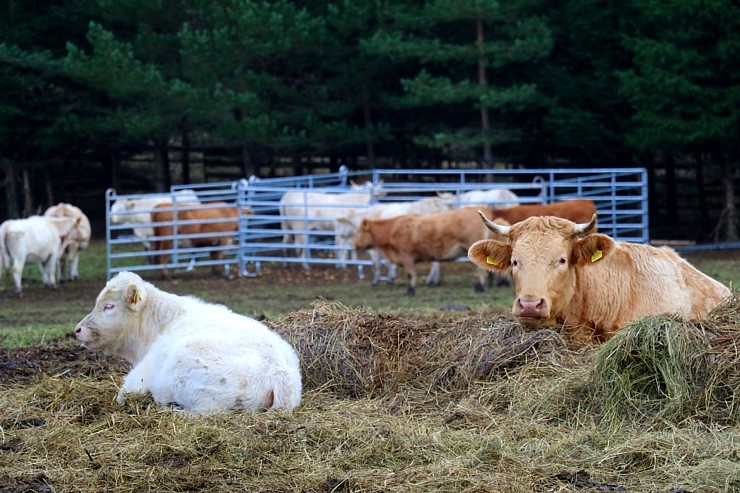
<point x="496" y="228"/>
<point x="582" y="228"/>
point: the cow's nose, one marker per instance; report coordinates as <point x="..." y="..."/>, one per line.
<point x="530" y="307"/>
<point x="78" y="329"/>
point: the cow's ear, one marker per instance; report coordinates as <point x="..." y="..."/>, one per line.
<point x="490" y="254"/>
<point x="135" y="297"/>
<point x="592" y="248"/>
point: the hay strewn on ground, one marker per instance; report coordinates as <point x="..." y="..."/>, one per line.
<point x="360" y="354"/>
<point x="458" y="403"/>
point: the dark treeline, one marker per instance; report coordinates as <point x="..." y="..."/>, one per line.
<point x="86" y="85"/>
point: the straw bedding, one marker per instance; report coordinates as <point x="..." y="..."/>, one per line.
<point x="465" y="402"/>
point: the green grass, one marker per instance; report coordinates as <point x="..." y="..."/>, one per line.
<point x="43" y="313"/>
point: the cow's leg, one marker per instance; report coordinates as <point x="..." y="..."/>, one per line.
<point x="434" y="278"/>
<point x="301" y="243"/>
<point x="219" y="255"/>
<point x="342" y="253"/>
<point x="360" y="268"/>
<point x="18" y="274"/>
<point x="163" y="258"/>
<point x="136" y="382"/>
<point x="410" y="267"/>
<point x="74" y="265"/>
<point x="375" y="257"/>
<point x="481" y="275"/>
<point x="48" y="270"/>
<point x="69" y="263"/>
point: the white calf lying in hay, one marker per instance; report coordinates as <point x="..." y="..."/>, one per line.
<point x="186" y="352"/>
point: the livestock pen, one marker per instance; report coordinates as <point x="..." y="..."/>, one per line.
<point x="620" y="195"/>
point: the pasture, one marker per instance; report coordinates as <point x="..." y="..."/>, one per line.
<point x="400" y="394"/>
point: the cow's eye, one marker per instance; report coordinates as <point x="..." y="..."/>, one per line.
<point x="562" y="261"/>
<point x="514" y="263"/>
<point x="108" y="306"/>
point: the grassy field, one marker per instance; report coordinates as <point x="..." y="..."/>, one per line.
<point x="44" y="313"/>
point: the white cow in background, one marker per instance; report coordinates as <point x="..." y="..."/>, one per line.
<point x="38" y="239"/>
<point x="189" y="354"/>
<point x="346" y="228"/>
<point x="77" y="241"/>
<point x="306" y="211"/>
<point x="495" y="198"/>
<point x="133" y="212"/>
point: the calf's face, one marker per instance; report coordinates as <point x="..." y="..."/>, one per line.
<point x="115" y="316"/>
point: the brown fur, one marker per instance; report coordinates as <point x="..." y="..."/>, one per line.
<point x="578" y="211"/>
<point x="411" y="238"/>
<point x="164" y="214"/>
<point x="594" y="295"/>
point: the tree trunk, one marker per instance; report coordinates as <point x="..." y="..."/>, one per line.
<point x="49" y="188"/>
<point x="11" y="192"/>
<point x="162" y="158"/>
<point x="28" y="209"/>
<point x="185" y="157"/>
<point x="247" y="163"/>
<point x="730" y="208"/>
<point x="671" y="197"/>
<point x="367" y="115"/>
<point x="485" y="123"/>
<point x="702" y="195"/>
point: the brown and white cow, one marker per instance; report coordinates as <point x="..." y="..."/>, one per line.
<point x="566" y="275"/>
<point x="204" y="224"/>
<point x="577" y="210"/>
<point x="411" y="238"/>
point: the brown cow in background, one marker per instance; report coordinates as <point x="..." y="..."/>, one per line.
<point x="210" y="219"/>
<point x="566" y="275"/>
<point x="577" y="210"/>
<point x="411" y="238"/>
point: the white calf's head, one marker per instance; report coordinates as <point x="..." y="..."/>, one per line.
<point x="116" y="319"/>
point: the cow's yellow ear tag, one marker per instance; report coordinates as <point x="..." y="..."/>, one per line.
<point x="135" y="298"/>
<point x="490" y="261"/>
<point x="597" y="255"/>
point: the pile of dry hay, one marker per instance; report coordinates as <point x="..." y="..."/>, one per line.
<point x="671" y="368"/>
<point x="544" y="433"/>
<point x="357" y="353"/>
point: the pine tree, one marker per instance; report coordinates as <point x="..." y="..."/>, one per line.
<point x="685" y="87"/>
<point x="467" y="70"/>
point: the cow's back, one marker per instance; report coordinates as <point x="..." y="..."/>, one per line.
<point x="638" y="281"/>
<point x="444" y="235"/>
<point x="31" y="239"/>
<point x="577" y="210"/>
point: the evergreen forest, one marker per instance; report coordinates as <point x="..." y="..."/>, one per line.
<point x="139" y="94"/>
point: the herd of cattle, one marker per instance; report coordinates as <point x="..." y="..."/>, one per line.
<point x="204" y="358"/>
<point x="556" y="283"/>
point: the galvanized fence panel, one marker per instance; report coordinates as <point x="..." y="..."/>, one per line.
<point x="620" y="196"/>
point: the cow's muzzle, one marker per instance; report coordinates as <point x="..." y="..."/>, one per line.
<point x="530" y="311"/>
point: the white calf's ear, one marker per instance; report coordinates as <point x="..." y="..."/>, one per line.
<point x="134" y="297"/>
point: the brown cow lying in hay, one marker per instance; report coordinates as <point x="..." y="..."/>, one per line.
<point x="567" y="275"/>
<point x="206" y="224"/>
